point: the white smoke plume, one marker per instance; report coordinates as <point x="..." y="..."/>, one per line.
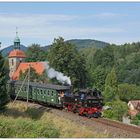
<point x="58" y="75"/>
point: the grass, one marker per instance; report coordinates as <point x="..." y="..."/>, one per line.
<point x="18" y="121"/>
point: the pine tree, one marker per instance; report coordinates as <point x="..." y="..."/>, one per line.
<point x="3" y="83"/>
<point x="111" y="86"/>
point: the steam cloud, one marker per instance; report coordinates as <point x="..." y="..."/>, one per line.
<point x="58" y="75"/>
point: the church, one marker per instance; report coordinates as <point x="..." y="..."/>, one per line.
<point x="17" y="62"/>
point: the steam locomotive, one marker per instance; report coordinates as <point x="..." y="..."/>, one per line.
<point x="85" y="102"/>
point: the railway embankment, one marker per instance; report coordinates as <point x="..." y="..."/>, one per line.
<point x="65" y="124"/>
<point x="38" y="121"/>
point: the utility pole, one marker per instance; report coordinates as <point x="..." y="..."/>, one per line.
<point x="28" y="85"/>
<point x="20" y="89"/>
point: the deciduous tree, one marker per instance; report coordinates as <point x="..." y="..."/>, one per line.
<point x="35" y="53"/>
<point x="65" y="58"/>
<point x="117" y="111"/>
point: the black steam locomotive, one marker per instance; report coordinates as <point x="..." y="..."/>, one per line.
<point x="84" y="102"/>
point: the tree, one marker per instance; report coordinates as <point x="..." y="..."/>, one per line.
<point x="3" y="82"/>
<point x="64" y="57"/>
<point x="35" y="53"/>
<point x="117" y="111"/>
<point x="128" y="92"/>
<point x="98" y="75"/>
<point x="104" y="57"/>
<point x="111" y="86"/>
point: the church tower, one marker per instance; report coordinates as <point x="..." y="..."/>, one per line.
<point x="16" y="56"/>
<point x="17" y="41"/>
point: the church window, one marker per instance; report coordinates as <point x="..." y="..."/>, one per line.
<point x="12" y="62"/>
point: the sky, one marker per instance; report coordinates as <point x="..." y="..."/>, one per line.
<point x="41" y="22"/>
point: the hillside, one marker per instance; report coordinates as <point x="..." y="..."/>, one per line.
<point x="80" y="43"/>
<point x="6" y="51"/>
<point x="86" y="43"/>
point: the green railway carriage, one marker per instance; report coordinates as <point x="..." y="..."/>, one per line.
<point x="44" y="93"/>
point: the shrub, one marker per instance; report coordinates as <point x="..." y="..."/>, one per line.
<point x="136" y="119"/>
<point x="34" y="113"/>
<point x="117" y="111"/>
<point x="25" y="128"/>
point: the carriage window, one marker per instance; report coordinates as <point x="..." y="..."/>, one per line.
<point x="44" y="92"/>
<point x="35" y="90"/>
<point x="38" y="91"/>
<point x="48" y="92"/>
<point x="41" y="91"/>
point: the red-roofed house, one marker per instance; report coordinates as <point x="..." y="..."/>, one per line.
<point x="17" y="64"/>
<point x="134" y="107"/>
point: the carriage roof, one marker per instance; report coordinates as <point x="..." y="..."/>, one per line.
<point x="42" y="85"/>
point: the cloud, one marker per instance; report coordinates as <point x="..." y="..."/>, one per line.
<point x="49" y="26"/>
<point x="103" y="16"/>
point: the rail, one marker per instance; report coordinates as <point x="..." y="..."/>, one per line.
<point x="117" y="124"/>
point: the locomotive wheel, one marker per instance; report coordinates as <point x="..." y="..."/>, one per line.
<point x="75" y="110"/>
<point x="65" y="109"/>
<point x="95" y="115"/>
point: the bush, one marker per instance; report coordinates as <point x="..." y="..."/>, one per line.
<point x="34" y="113"/>
<point x="117" y="111"/>
<point x="24" y="128"/>
<point x="136" y="119"/>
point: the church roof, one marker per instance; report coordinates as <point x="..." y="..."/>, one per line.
<point x="17" y="53"/>
<point x="39" y="67"/>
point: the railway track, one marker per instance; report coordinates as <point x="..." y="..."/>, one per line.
<point x="117" y="124"/>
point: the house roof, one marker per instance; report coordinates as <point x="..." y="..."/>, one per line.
<point x="17" y="53"/>
<point x="39" y="67"/>
<point x="135" y="103"/>
<point x="133" y="112"/>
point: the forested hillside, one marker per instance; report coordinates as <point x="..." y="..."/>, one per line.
<point x="126" y="61"/>
<point x="86" y="43"/>
<point x="83" y="43"/>
<point x="115" y="70"/>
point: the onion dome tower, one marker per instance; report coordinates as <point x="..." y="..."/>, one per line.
<point x="16" y="56"/>
<point x="17" y="42"/>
